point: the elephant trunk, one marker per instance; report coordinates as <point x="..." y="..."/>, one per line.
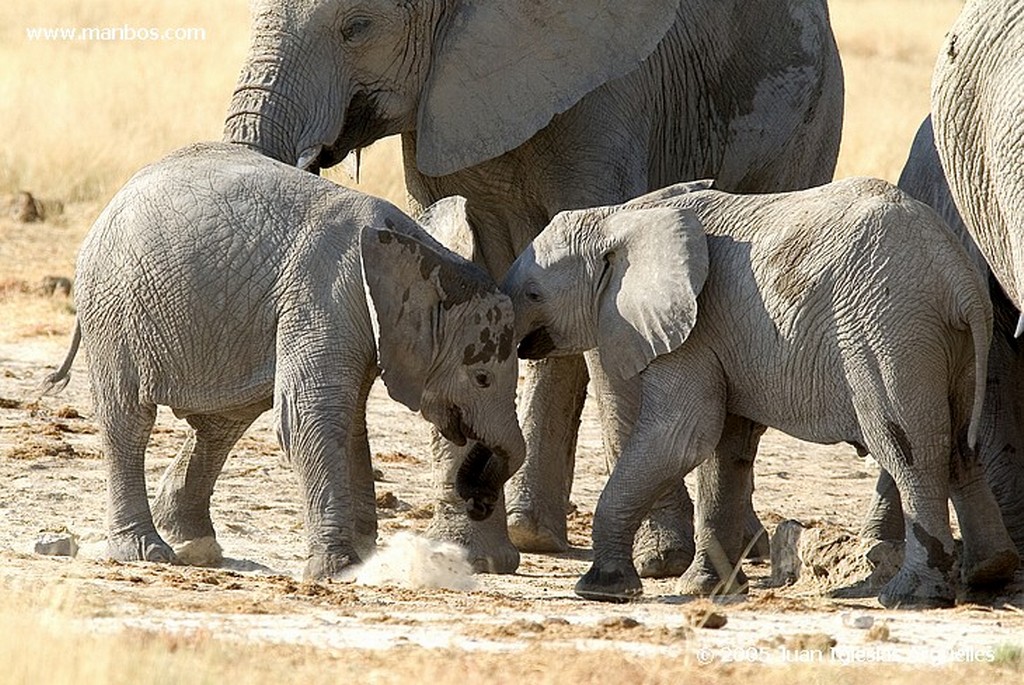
<point x="270" y="109"/>
<point x="494" y="453"/>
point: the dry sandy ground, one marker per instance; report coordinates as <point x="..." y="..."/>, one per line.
<point x="52" y="477"/>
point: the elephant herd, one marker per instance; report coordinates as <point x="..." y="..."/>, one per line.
<point x="552" y="155"/>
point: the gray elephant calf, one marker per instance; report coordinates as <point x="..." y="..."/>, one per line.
<point x="844" y="313"/>
<point x="220" y="283"/>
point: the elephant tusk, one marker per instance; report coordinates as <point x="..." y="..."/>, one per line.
<point x="309" y="156"/>
<point x="350" y="165"/>
<point x="1020" y="326"/>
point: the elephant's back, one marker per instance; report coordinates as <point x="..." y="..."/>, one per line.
<point x="184" y="275"/>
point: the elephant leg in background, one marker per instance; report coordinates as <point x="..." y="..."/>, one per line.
<point x="487" y="542"/>
<point x="884" y="520"/>
<point x="363" y="488"/>
<point x="722" y="520"/>
<point x="126" y="426"/>
<point x="551" y="403"/>
<point x="989" y="555"/>
<point x="182" y="505"/>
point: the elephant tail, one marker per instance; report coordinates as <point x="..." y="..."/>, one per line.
<point x="979" y="321"/>
<point x="58" y="380"/>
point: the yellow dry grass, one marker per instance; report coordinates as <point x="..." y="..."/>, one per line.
<point x="52" y="645"/>
<point x="78" y="117"/>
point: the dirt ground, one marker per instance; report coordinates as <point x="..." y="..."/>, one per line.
<point x="52" y="476"/>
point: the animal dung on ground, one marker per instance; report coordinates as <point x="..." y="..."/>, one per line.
<point x="414" y="562"/>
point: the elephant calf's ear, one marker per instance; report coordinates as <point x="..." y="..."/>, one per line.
<point x="655" y="267"/>
<point x="397" y="268"/>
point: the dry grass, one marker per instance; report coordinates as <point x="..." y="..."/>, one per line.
<point x="78" y="118"/>
<point x="888" y="49"/>
<point x="54" y="647"/>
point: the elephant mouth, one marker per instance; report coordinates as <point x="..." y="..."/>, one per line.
<point x="454" y="428"/>
<point x="363" y="125"/>
<point x="536" y="345"/>
<point x="479" y="481"/>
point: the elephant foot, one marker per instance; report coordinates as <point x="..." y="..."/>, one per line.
<point x="204" y="551"/>
<point x="703" y="579"/>
<point x="180" y="524"/>
<point x="663" y="545"/>
<point x="911" y="589"/>
<point x="145" y="547"/>
<point x="615" y="582"/>
<point x="331" y="565"/>
<point x="996" y="570"/>
<point x="529" y="534"/>
<point x="487" y="542"/>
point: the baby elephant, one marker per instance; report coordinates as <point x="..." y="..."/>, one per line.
<point x="219" y="283"/>
<point x="844" y="313"/>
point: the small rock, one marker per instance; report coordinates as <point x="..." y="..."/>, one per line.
<point x="618" y="622"/>
<point x="712" y="620"/>
<point x="26" y="208"/>
<point x="57" y="544"/>
<point x="387" y="500"/>
<point x="67" y="412"/>
<point x="858" y="621"/>
<point x="55" y="285"/>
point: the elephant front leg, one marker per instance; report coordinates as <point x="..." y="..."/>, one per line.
<point x="487" y="540"/>
<point x="663" y="545"/>
<point x="182" y="505"/>
<point x="538" y="493"/>
<point x="313" y="433"/>
<point x="724" y="489"/>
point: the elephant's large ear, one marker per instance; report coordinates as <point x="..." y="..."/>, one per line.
<point x="655" y="264"/>
<point x="401" y="274"/>
<point x="504" y="68"/>
<point x="447" y="222"/>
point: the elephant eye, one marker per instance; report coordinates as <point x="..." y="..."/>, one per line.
<point x="355" y="28"/>
<point x="533" y="296"/>
<point x="482" y="379"/>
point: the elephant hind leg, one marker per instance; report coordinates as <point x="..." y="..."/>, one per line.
<point x="724" y="489"/>
<point x="919" y="467"/>
<point x="989" y="557"/>
<point x="126" y="426"/>
<point x="182" y="505"/>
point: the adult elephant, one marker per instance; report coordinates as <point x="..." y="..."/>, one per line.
<point x="528" y="108"/>
<point x="978" y="117"/>
<point x="1001" y="429"/>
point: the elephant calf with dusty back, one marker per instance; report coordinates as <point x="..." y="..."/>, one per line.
<point x="845" y="313"/>
<point x="219" y="282"/>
